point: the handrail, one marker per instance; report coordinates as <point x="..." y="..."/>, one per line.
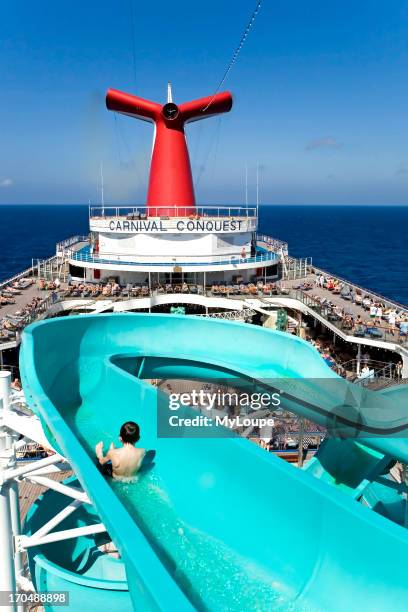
<point x="18" y="276"/>
<point x="352" y="364"/>
<point x="61" y="246"/>
<point x="325" y="310"/>
<point x="377" y="369"/>
<point x="368" y="292"/>
<point x="23" y="321"/>
<point x="180" y="211"/>
<point x="175" y="260"/>
<point x="273" y="243"/>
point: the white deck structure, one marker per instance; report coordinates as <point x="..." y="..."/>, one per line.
<point x="126" y="243"/>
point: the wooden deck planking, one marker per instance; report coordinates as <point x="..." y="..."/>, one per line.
<point x="28" y="491"/>
<point x="22" y="300"/>
<point x="336" y="299"/>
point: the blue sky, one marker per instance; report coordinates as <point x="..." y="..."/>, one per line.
<point x="320" y="98"/>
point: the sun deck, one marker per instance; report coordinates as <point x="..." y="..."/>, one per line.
<point x="342" y="310"/>
<point x="339" y="312"/>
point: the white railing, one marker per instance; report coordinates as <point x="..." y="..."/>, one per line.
<point x="142" y="212"/>
<point x="273" y="244"/>
<point x="375" y="297"/>
<point x="65" y="244"/>
<point x="171" y="261"/>
<point x="27" y="272"/>
<point x="12" y="333"/>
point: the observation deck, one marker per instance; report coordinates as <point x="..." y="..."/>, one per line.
<point x="140" y="238"/>
<point x="84" y="258"/>
<point x="140" y="220"/>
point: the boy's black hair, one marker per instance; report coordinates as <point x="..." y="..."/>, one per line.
<point x="130" y="432"/>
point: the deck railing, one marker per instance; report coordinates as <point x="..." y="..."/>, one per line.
<point x="65" y="244"/>
<point x="345" y="324"/>
<point x="27" y="272"/>
<point x="370" y="372"/>
<point x="273" y="244"/>
<point x="377" y="297"/>
<point x="141" y="212"/>
<point x="18" y="323"/>
<point x="172" y="261"/>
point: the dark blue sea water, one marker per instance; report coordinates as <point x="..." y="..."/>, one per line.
<point x="365" y="244"/>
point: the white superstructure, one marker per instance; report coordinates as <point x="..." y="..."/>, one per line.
<point x="127" y="242"/>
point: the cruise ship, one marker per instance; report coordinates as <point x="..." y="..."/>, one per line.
<point x="173" y="296"/>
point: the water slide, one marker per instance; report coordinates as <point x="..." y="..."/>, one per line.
<point x="217" y="523"/>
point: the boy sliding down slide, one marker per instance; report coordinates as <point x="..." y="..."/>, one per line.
<point x="126" y="461"/>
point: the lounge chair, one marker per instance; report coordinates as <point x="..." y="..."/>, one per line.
<point x="14" y="290"/>
<point x="24" y="283"/>
<point x="127" y="290"/>
<point x="374" y="332"/>
<point x="8" y="293"/>
<point x="359" y="331"/>
<point x="345" y="293"/>
<point x="7" y="299"/>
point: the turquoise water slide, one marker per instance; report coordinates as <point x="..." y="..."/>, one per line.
<point x="217" y="524"/>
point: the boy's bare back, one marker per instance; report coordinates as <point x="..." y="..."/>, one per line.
<point x="122" y="462"/>
<point x="126" y="460"/>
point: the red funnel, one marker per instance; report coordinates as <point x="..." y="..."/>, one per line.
<point x="170" y="181"/>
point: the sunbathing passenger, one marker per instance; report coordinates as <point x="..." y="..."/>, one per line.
<point x="122" y="462"/>
<point x="16" y="384"/>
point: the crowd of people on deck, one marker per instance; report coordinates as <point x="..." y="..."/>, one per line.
<point x="345" y="363"/>
<point x="333" y="357"/>
<point x="377" y="316"/>
<point x="11" y="290"/>
<point x="92" y="290"/>
<point x="259" y="288"/>
<point x="112" y="289"/>
<point x="12" y="323"/>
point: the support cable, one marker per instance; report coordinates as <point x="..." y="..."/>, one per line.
<point x="236" y="52"/>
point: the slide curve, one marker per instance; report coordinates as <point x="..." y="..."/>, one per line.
<point x="217" y="524"/>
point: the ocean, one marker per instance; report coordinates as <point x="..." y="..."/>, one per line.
<point x="364" y="244"/>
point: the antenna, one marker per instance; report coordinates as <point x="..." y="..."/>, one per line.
<point x="169" y="93"/>
<point x="257" y="184"/>
<point x="246" y="184"/>
<point x="102" y="196"/>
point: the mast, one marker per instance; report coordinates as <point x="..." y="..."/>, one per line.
<point x="257" y="184"/>
<point x="246" y="184"/>
<point x="169" y="93"/>
<point x="102" y="195"/>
